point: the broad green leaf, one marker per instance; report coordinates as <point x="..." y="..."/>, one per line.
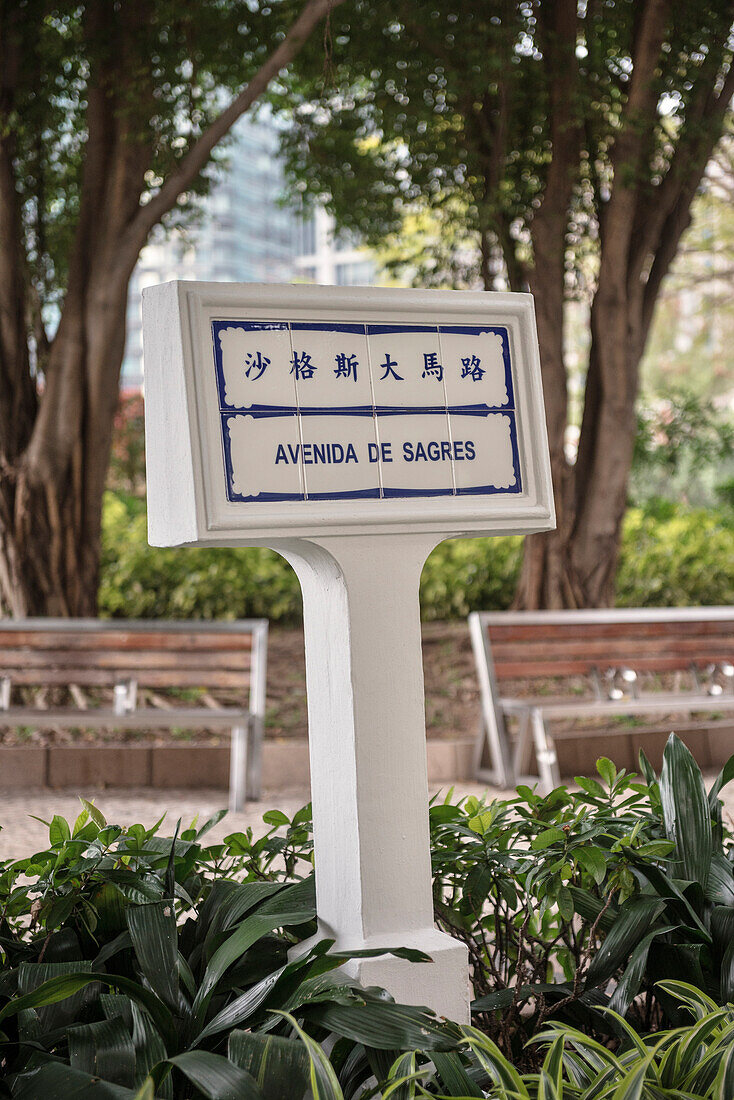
<point x="48" y="993"/>
<point x="239" y="1009"/>
<point x="322" y="1078"/>
<point x="279" y="1066"/>
<point x="58" y="830"/>
<point x="248" y="933"/>
<point x="593" y="860"/>
<point x="387" y="1026"/>
<point x="55" y="1081"/>
<point x="720" y="886"/>
<point x="146" y="1090"/>
<point x="453" y="1076"/>
<point x="95" y="814"/>
<point x="606" y="770"/>
<point x="725" y="776"/>
<point x="629" y="984"/>
<point x="276" y="817"/>
<point x="104" y="1049"/>
<point x="547" y="837"/>
<point x="686" y="811"/>
<point x="629" y="928"/>
<point x="149" y="1048"/>
<point x="154" y="937"/>
<point x="57" y="989"/>
<point x="590" y="787"/>
<point x="216" y="1077"/>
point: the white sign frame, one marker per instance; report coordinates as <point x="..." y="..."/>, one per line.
<point x="178" y="317"/>
<point x="359" y="564"/>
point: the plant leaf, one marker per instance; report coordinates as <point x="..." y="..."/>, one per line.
<point x="104" y="1049"/>
<point x="279" y="1066"/>
<point x="686" y="811"/>
<point x="154" y="937"/>
<point x="216" y="1076"/>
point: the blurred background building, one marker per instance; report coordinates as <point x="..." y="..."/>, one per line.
<point x="244" y="233"/>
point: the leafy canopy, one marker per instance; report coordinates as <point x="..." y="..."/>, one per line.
<point x="451" y="107"/>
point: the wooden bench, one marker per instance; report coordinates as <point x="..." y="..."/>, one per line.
<point x="620" y="663"/>
<point x="106" y="666"/>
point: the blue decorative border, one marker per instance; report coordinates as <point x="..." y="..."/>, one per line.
<point x="227" y="412"/>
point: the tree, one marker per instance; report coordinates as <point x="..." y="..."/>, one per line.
<point x="574" y="135"/>
<point x="109" y="113"/>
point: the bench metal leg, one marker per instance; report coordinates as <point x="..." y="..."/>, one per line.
<point x="545" y="753"/>
<point x="238" y="768"/>
<point x="254" y="760"/>
<point x="522" y="745"/>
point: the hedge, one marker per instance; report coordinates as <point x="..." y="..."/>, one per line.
<point x="671" y="556"/>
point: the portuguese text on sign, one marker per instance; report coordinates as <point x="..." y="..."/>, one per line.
<point x="331" y="410"/>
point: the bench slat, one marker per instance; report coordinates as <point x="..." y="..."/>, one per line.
<point x="142" y="660"/>
<point x="147" y="718"/>
<point x="156" y="678"/>
<point x="125" y="640"/>
<point x="517" y="633"/>
<point x="517" y="670"/>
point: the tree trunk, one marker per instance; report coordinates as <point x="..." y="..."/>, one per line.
<point x="543" y="580"/>
<point x="55" y="438"/>
<point x="52" y="508"/>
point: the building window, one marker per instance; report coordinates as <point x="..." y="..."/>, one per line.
<point x="360" y="273"/>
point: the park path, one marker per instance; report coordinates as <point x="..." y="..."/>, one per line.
<point x="21" y="834"/>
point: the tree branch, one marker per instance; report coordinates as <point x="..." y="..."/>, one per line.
<point x="195" y="160"/>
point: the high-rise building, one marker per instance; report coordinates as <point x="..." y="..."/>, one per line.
<point x="243" y="233"/>
<point x="331" y="258"/>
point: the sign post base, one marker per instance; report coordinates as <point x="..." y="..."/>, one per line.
<point x="369" y="781"/>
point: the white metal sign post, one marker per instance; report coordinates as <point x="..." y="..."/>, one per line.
<point x="352" y="430"/>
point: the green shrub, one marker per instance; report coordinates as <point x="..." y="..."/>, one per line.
<point x="579" y="900"/>
<point x="675" y="557"/>
<point x="693" y="1062"/>
<point x="670" y="556"/>
<point x="129" y="960"/>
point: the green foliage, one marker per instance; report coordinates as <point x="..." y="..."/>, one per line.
<point x="684" y="445"/>
<point x="581" y="900"/>
<point x="141" y="582"/>
<point x="676" y="557"/>
<point x="133" y="961"/>
<point x="595" y="919"/>
<point x="691" y="1062"/>
<point x="671" y="556"/>
<point x="450" y="109"/>
<point x="163" y="70"/>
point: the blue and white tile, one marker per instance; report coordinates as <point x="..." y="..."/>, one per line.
<point x="416" y="454"/>
<point x="265" y="455"/>
<point x="331" y="366"/>
<point x="406" y="367"/>
<point x="339" y="454"/>
<point x="474" y="366"/>
<point x="255" y="359"/>
<point x="484" y="451"/>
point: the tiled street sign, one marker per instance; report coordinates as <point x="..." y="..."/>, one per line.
<point x="352" y="430"/>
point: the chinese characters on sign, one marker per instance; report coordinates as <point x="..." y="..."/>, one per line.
<point x="338" y="410"/>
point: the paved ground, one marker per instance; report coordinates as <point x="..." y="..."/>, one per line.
<point x="21" y="834"/>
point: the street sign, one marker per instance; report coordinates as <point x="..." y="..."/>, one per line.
<point x="288" y="411"/>
<point x="352" y="430"/>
